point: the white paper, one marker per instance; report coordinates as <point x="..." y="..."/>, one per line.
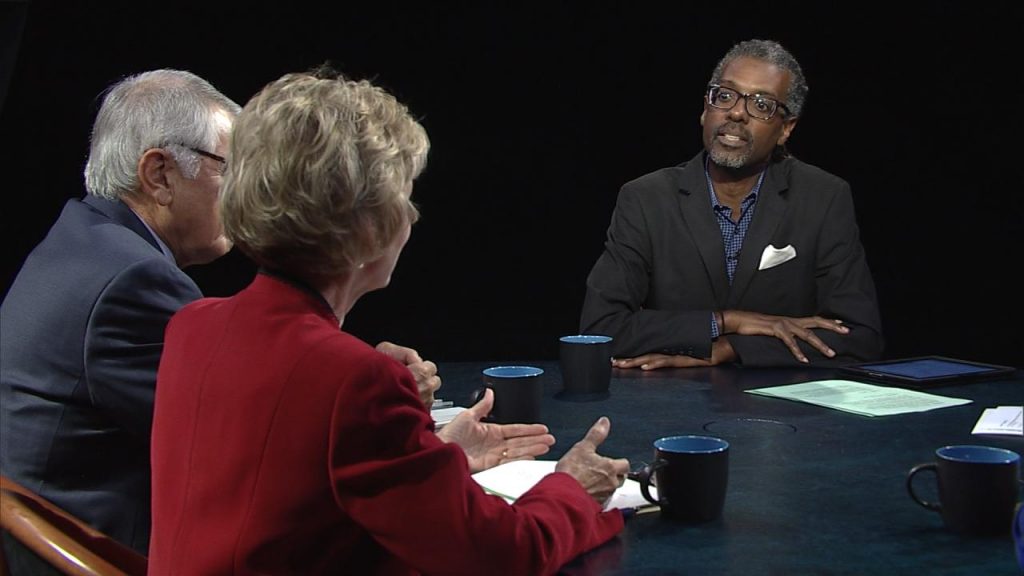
<point x="1001" y="420"/>
<point x="443" y="416"/>
<point x="512" y="479"/>
<point x="861" y="398"/>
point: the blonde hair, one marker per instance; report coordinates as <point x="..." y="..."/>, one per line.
<point x="319" y="174"/>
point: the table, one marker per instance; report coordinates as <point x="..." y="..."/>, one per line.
<point x="811" y="490"/>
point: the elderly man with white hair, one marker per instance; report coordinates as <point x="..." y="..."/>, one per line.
<point x="83" y="322"/>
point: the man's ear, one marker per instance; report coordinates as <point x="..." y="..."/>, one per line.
<point x="154" y="180"/>
<point x="787" y="128"/>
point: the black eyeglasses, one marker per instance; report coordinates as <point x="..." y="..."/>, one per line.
<point x="209" y="155"/>
<point x="758" y="105"/>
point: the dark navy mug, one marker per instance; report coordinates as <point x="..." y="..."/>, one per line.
<point x="978" y="488"/>
<point x="691" y="474"/>
<point x="586" y="364"/>
<point x="518" y="391"/>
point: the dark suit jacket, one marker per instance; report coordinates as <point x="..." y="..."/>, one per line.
<point x="282" y="445"/>
<point x="663" y="268"/>
<point x="82" y="330"/>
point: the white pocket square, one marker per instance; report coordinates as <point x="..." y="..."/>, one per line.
<point x="772" y="256"/>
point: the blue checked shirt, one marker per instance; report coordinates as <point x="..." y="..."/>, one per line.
<point x="732" y="232"/>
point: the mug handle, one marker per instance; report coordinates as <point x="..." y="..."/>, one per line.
<point x="644" y="478"/>
<point x="910" y="486"/>
<point x="476" y="396"/>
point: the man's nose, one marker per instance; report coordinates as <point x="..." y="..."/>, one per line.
<point x="738" y="112"/>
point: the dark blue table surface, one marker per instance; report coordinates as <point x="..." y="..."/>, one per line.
<point x="811" y="490"/>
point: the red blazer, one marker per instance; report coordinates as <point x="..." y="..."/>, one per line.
<point x="282" y="445"/>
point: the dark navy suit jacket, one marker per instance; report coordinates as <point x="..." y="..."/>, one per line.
<point x="81" y="332"/>
<point x="663" y="268"/>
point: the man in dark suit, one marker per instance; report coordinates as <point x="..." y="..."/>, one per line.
<point x="83" y="322"/>
<point x="742" y="254"/>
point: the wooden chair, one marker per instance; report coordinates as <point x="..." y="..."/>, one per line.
<point x="65" y="542"/>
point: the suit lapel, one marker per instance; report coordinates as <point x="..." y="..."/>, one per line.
<point x="695" y="206"/>
<point x="771" y="207"/>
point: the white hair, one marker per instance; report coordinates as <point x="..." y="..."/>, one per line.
<point x="171" y="109"/>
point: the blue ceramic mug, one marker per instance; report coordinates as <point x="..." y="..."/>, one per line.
<point x="978" y="488"/>
<point x="586" y="364"/>
<point x="518" y="391"/>
<point x="691" y="474"/>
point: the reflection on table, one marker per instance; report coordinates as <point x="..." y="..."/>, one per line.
<point x="811" y="490"/>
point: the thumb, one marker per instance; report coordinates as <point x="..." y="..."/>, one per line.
<point x="599" y="431"/>
<point x="483" y="406"/>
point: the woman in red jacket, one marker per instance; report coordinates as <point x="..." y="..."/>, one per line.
<point x="282" y="444"/>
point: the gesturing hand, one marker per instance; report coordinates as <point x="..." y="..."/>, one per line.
<point x="600" y="476"/>
<point x="487" y="445"/>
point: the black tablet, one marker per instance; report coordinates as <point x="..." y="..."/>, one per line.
<point x="923" y="371"/>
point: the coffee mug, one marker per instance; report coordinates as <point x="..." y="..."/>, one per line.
<point x="586" y="363"/>
<point x="1018" y="536"/>
<point x="517" y="393"/>
<point x="978" y="488"/>
<point x="691" y="474"/>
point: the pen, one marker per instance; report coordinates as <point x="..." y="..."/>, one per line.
<point x="628" y="513"/>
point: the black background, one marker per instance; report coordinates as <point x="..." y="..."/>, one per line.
<point x="539" y="111"/>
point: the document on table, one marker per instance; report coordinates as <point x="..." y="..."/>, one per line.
<point x="445" y="415"/>
<point x="860" y="398"/>
<point x="1001" y="420"/>
<point x="512" y="479"/>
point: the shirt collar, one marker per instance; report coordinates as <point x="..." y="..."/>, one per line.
<point x="749" y="198"/>
<point x="302" y="286"/>
<point x="160" y="243"/>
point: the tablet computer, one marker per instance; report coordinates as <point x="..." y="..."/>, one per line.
<point x="923" y="371"/>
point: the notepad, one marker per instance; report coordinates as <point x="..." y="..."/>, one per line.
<point x="512" y="479"/>
<point x="1007" y="420"/>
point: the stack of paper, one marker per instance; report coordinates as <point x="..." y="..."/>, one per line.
<point x="860" y="398"/>
<point x="512" y="479"/>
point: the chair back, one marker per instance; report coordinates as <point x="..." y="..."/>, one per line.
<point x="61" y="539"/>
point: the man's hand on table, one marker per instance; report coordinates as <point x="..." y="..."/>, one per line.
<point x="721" y="353"/>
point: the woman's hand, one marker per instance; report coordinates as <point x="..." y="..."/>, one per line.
<point x="486" y="445"/>
<point x="599" y="475"/>
<point x="424" y="371"/>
